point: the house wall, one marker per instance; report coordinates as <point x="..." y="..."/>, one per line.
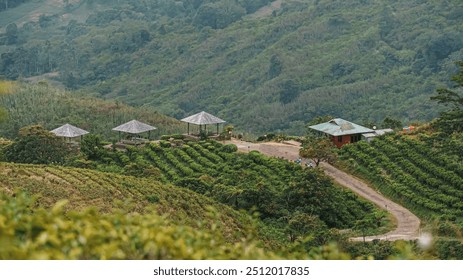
<point x="339" y="141"/>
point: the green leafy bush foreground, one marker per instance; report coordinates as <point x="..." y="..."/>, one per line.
<point x="28" y="233"/>
<point x="33" y="233"/>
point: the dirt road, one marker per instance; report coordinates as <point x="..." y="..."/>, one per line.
<point x="408" y="224"/>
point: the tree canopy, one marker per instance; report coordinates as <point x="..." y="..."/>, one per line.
<point x="318" y="149"/>
<point x="452" y="120"/>
<point x="36" y="145"/>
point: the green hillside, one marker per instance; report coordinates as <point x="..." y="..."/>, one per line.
<point x="424" y="177"/>
<point x="281" y="193"/>
<point x="29" y="232"/>
<point x="52" y="107"/>
<point x="423" y="172"/>
<point x="288" y="203"/>
<point x="108" y="193"/>
<point x="263" y="68"/>
<point x="362" y="60"/>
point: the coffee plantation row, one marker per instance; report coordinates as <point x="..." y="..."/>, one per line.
<point x="274" y="188"/>
<point x="416" y="175"/>
<point x="289" y="203"/>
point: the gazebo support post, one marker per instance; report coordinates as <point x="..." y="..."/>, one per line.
<point x="188" y="131"/>
<point x="217" y="129"/>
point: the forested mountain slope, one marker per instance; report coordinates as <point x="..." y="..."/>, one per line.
<point x="362" y="60"/>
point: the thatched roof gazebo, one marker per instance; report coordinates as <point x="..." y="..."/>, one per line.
<point x="134" y="127"/>
<point x="68" y="131"/>
<point x="202" y="118"/>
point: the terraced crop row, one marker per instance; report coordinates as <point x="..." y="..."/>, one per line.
<point x="205" y="158"/>
<point x="411" y="172"/>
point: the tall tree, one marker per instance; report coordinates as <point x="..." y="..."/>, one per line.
<point x="317" y="120"/>
<point x="392" y="123"/>
<point x="92" y="147"/>
<point x="318" y="149"/>
<point x="452" y="120"/>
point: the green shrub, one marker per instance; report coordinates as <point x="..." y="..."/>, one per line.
<point x="173" y="136"/>
<point x="195" y="184"/>
<point x="156" y="147"/>
<point x="152" y="198"/>
<point x="164" y="144"/>
<point x="92" y="146"/>
<point x="36" y="145"/>
<point x="178" y="136"/>
<point x="229" y="148"/>
<point x="449" y="249"/>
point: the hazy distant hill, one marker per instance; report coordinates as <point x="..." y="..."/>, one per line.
<point x="361" y="60"/>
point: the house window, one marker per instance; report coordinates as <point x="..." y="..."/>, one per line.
<point x="339" y="138"/>
<point x="355" y="138"/>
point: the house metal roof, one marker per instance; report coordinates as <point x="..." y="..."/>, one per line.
<point x="369" y="135"/>
<point x="339" y="127"/>
<point x="68" y="131"/>
<point x="377" y="132"/>
<point x="202" y="118"/>
<point x="134" y="127"/>
<point x="383" y="131"/>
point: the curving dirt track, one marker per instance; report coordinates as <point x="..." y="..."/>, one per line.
<point x="408" y="225"/>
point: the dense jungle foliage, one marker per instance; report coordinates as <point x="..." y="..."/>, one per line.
<point x="8" y="4"/>
<point x="364" y="60"/>
<point x="451" y="119"/>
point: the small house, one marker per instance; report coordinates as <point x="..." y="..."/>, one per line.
<point x="342" y="132"/>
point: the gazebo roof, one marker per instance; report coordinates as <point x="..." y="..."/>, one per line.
<point x="134" y="127"/>
<point x="202" y="118"/>
<point x="68" y="131"/>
